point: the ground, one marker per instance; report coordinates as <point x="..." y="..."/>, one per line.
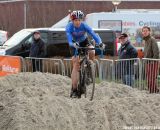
<point x="36" y="101"/>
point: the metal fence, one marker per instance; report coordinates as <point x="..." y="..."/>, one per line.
<point x="68" y="67"/>
<point x="47" y="65"/>
<point x="127" y="71"/>
<point x="143" y="74"/>
<point x="106" y="71"/>
<point x="55" y="66"/>
<point x="150" y="76"/>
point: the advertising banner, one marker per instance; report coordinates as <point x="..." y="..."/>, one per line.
<point x="9" y="65"/>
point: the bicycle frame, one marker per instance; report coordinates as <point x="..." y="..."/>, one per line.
<point x="82" y="52"/>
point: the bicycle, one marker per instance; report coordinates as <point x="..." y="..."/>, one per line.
<point x="86" y="84"/>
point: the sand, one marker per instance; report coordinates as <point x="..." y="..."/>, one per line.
<point x="36" y="101"/>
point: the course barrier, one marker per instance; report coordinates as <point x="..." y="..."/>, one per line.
<point x="143" y="74"/>
<point x="10" y="65"/>
<point x="45" y="65"/>
<point x="127" y="71"/>
<point x="150" y="75"/>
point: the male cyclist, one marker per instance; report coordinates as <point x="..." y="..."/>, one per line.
<point x="76" y="32"/>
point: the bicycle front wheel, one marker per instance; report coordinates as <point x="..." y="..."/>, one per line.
<point x="91" y="79"/>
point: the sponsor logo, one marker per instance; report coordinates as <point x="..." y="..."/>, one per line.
<point x="7" y="68"/>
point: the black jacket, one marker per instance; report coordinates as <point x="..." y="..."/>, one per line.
<point x="126" y="51"/>
<point x="37" y="49"/>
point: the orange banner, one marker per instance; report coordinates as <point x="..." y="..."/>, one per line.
<point x="9" y="65"/>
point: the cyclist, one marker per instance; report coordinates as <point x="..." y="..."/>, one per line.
<point x="76" y="31"/>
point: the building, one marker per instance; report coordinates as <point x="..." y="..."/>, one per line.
<point x="18" y="14"/>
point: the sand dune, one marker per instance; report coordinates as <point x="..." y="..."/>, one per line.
<point x="36" y="101"/>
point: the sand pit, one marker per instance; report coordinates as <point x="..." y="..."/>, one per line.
<point x="36" y="101"/>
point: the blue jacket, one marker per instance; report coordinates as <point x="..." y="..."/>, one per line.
<point x="80" y="34"/>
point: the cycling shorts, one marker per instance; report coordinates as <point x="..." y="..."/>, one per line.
<point x="85" y="43"/>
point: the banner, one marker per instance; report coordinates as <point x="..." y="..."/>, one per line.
<point x="115" y="25"/>
<point x="9" y="65"/>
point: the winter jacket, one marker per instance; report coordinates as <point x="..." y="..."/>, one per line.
<point x="151" y="48"/>
<point x="126" y="51"/>
<point x="37" y="49"/>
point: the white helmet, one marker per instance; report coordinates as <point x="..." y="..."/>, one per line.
<point x="78" y="14"/>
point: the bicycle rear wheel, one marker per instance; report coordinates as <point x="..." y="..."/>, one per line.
<point x="91" y="85"/>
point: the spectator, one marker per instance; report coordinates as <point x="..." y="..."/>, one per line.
<point x="37" y="51"/>
<point x="151" y="51"/>
<point x="126" y="51"/>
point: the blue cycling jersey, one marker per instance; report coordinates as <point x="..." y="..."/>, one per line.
<point x="80" y="34"/>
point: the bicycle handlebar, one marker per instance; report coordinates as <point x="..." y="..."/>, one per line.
<point x="87" y="48"/>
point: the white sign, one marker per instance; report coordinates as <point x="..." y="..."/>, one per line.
<point x="115" y="25"/>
